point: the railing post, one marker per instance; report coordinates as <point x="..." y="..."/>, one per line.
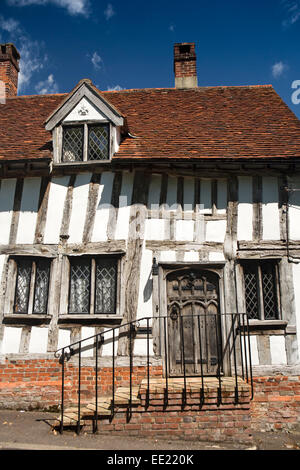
<point x="62" y="358"/>
<point x="245" y="348"/>
<point x="183" y="359"/>
<point x="241" y="347"/>
<point x="166" y="391"/>
<point x="113" y="377"/>
<point x="236" y="391"/>
<point x="79" y="388"/>
<point x="219" y="364"/>
<point x="130" y="370"/>
<point x="201" y="365"/>
<point x="148" y="367"/>
<point x="250" y="359"/>
<point x="95" y="423"/>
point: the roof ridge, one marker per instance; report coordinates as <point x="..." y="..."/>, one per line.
<point x="147" y="89"/>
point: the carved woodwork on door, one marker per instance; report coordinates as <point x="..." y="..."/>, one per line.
<point x="194" y="331"/>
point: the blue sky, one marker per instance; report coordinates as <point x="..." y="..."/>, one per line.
<point x="129" y="44"/>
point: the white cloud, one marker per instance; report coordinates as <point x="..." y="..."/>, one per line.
<point x="109" y="12"/>
<point x="292" y="9"/>
<point x="278" y="69"/>
<point x="10" y="25"/>
<point x="115" y="88"/>
<point x="96" y="61"/>
<point x="47" y="87"/>
<point x="30" y="63"/>
<point x="74" y="7"/>
<point x="32" y="60"/>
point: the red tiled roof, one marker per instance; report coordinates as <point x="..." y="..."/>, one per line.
<point x="209" y="122"/>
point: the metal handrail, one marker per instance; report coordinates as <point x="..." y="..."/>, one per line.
<point x="238" y="332"/>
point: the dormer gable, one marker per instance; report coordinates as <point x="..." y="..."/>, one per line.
<point x="85" y="127"/>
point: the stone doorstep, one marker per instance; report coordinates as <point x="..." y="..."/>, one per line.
<point x="193" y="384"/>
<point x="156" y="385"/>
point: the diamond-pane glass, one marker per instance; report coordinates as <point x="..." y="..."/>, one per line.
<point x="23" y="286"/>
<point x="41" y="286"/>
<point x="98" y="143"/>
<point x="268" y="282"/>
<point x="73" y="144"/>
<point x="106" y="275"/>
<point x="251" y="296"/>
<point x="79" y="301"/>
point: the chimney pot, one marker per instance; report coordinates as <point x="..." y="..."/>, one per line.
<point x="185" y="65"/>
<point x="9" y="68"/>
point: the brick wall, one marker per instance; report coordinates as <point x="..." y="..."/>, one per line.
<point x="276" y="403"/>
<point x="36" y="384"/>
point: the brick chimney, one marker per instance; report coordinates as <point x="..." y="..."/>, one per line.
<point x="185" y="65"/>
<point x="9" y="68"/>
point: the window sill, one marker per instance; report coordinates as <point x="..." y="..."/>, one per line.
<point x="267" y="326"/>
<point x="26" y="319"/>
<point x="88" y="319"/>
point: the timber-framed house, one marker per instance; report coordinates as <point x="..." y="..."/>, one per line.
<point x="175" y="211"/>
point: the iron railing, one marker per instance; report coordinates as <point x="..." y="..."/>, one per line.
<point x="232" y="346"/>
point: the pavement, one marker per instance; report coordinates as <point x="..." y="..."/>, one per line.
<point x="32" y="430"/>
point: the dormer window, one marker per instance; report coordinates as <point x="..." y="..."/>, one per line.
<point x="85" y="128"/>
<point x="85" y="142"/>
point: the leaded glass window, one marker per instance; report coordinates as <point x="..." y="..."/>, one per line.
<point x="106" y="276"/>
<point x="42" y="277"/>
<point x="86" y="142"/>
<point x="80" y="284"/>
<point x="72" y="144"/>
<point x="23" y="286"/>
<point x="93" y="285"/>
<point x="32" y="285"/>
<point x="261" y="290"/>
<point x="98" y="142"/>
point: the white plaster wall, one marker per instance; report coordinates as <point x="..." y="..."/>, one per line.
<point x="215" y="230"/>
<point x="155" y="229"/>
<point x="107" y="348"/>
<point x="145" y="287"/>
<point x="270" y="212"/>
<point x="216" y="256"/>
<point x="140" y="347"/>
<point x="11" y="340"/>
<point x="191" y="256"/>
<point x="7" y="194"/>
<point x="245" y="209"/>
<point x="184" y="230"/>
<point x="57" y="196"/>
<point x="92" y="114"/>
<point x="103" y="207"/>
<point x="296" y="284"/>
<point x="38" y="340"/>
<point x="277" y="348"/>
<point x="254" y="352"/>
<point x="87" y="346"/>
<point x="64" y="338"/>
<point x="125" y="198"/>
<point x="28" y="210"/>
<point x="79" y="207"/>
<point x="294" y="210"/>
<point x="167" y="256"/>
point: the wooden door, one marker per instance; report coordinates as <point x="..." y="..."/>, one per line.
<point x="194" y="333"/>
